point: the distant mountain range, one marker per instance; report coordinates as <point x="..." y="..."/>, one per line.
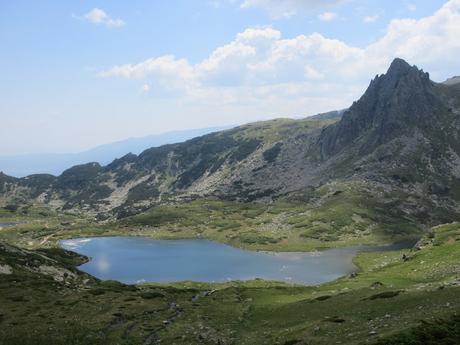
<point x="55" y="164"/>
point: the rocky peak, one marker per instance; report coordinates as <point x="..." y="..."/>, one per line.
<point x="400" y="68"/>
<point x="79" y="175"/>
<point x="120" y="162"/>
<point x="394" y="102"/>
<point x="400" y="76"/>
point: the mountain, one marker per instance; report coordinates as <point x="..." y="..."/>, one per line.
<point x="55" y="164"/>
<point x="330" y="115"/>
<point x="214" y="164"/>
<point x="395" y="151"/>
<point x="405" y="127"/>
<point x="452" y="81"/>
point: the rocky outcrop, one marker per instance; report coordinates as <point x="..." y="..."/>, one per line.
<point x="393" y="105"/>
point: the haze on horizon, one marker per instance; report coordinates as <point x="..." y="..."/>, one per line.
<point x="79" y="74"/>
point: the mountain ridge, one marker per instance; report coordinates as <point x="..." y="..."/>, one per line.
<point x="389" y="97"/>
<point x="452" y="81"/>
<point x="400" y="136"/>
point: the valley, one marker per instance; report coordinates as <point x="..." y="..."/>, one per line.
<point x="388" y="300"/>
<point x="385" y="170"/>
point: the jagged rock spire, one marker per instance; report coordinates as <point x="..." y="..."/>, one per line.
<point x="394" y="102"/>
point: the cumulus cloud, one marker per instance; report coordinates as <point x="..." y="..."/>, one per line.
<point x="288" y="8"/>
<point x="327" y="16"/>
<point x="170" y="75"/>
<point x="98" y="16"/>
<point x="431" y="41"/>
<point x="259" y="66"/>
<point x="166" y="66"/>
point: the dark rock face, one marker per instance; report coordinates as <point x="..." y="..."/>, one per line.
<point x="394" y="103"/>
<point x="79" y="176"/>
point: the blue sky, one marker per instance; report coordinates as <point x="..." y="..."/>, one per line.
<point x="76" y="74"/>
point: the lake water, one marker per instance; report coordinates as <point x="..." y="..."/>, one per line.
<point x="137" y="260"/>
<point x="7" y="224"/>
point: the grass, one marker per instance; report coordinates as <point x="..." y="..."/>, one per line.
<point x="358" y="215"/>
<point x="275" y="130"/>
<point x="445" y="332"/>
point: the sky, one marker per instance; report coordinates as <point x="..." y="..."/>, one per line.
<point x="77" y="74"/>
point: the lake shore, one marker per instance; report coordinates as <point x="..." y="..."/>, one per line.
<point x="135" y="260"/>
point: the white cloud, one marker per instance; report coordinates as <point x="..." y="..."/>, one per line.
<point x="288" y="8"/>
<point x="327" y="16"/>
<point x="166" y="66"/>
<point x="371" y="19"/>
<point x="262" y="70"/>
<point x="431" y="41"/>
<point x="98" y="16"/>
<point x="146" y="88"/>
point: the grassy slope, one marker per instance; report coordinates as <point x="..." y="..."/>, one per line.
<point x="388" y="296"/>
<point x="361" y="215"/>
<point x="337" y="214"/>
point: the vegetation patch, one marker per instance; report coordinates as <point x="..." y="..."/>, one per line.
<point x="385" y="294"/>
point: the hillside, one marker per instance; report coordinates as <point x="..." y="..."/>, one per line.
<point x="452" y="81"/>
<point x="399" y="142"/>
<point x="214" y="164"/>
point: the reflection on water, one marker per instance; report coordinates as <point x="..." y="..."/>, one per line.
<point x="136" y="260"/>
